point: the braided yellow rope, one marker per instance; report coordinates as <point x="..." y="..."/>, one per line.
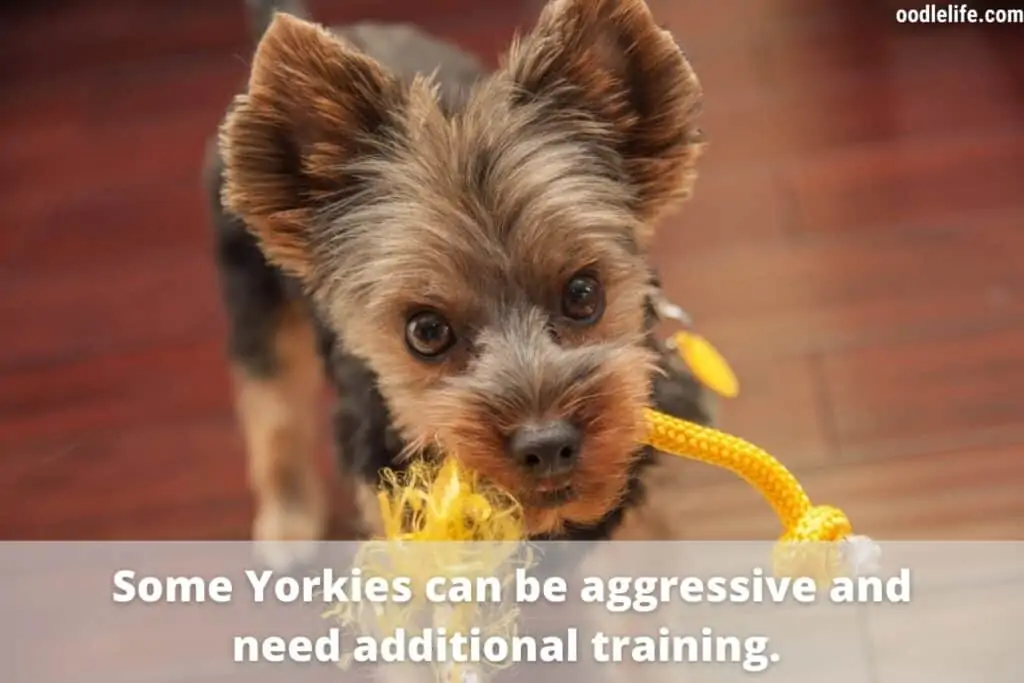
<point x="809" y="545"/>
<point x="452" y="504"/>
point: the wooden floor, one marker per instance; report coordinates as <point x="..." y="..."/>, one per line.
<point x="855" y="247"/>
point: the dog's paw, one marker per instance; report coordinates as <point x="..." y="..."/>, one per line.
<point x="287" y="537"/>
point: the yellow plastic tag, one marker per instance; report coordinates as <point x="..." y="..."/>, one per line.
<point x="707" y="364"/>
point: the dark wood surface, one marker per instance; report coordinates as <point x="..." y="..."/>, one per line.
<point x="855" y="247"/>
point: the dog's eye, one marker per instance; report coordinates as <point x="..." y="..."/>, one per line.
<point x="428" y="334"/>
<point x="583" y="300"/>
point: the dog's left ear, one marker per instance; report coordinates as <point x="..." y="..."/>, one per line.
<point x="314" y="104"/>
<point x="610" y="61"/>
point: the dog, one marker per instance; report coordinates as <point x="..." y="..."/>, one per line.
<point x="462" y="256"/>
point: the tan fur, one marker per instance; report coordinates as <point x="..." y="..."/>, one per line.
<point x="319" y="113"/>
<point x="383" y="199"/>
<point x="278" y="415"/>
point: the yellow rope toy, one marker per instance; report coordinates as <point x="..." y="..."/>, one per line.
<point x="451" y="504"/>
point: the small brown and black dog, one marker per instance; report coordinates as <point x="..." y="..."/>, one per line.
<point x="463" y="255"/>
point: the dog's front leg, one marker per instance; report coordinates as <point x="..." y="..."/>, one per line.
<point x="278" y="409"/>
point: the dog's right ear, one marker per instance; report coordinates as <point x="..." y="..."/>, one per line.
<point x="611" y="62"/>
<point x="313" y="103"/>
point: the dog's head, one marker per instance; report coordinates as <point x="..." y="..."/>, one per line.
<point x="488" y="260"/>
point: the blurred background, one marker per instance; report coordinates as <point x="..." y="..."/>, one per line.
<point x="855" y="247"/>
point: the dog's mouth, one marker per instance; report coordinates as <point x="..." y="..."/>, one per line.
<point x="551" y="498"/>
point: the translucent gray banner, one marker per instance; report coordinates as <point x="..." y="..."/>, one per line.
<point x="206" y="612"/>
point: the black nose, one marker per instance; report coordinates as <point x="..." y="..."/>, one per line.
<point x="546" y="449"/>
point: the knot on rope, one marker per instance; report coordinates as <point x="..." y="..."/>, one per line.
<point x="820" y="524"/>
<point x="811" y="547"/>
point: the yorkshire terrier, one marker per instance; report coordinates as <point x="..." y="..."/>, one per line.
<point x="462" y="255"/>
